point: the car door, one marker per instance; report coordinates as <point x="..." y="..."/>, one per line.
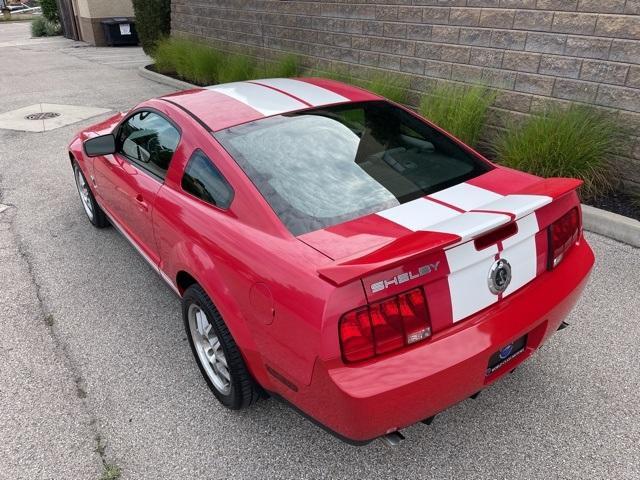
<point x="129" y="180"/>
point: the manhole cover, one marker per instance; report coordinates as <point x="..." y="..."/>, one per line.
<point x="42" y="116"/>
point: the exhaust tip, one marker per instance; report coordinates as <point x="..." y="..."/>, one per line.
<point x="563" y="325"/>
<point x="428" y="421"/>
<point x="392" y="439"/>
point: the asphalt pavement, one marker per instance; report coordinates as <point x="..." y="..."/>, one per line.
<point x="95" y="368"/>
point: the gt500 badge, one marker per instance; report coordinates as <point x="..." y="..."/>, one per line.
<point x="404" y="277"/>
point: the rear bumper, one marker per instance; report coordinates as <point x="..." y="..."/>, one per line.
<point x="366" y="401"/>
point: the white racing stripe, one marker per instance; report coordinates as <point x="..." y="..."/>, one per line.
<point x="518" y="205"/>
<point x="470" y="269"/>
<point x="468" y="279"/>
<point x="306" y="92"/>
<point x="471" y="224"/>
<point x="466" y="196"/>
<point x="520" y="252"/>
<point x="418" y="214"/>
<point x="263" y="99"/>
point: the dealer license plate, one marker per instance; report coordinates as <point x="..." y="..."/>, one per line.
<point x="506" y="354"/>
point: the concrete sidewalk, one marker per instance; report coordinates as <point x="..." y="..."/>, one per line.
<point x="92" y="343"/>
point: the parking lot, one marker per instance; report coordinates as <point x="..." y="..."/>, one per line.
<point x="95" y="367"/>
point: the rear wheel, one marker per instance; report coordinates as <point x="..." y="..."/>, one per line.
<point x="92" y="209"/>
<point x="216" y="352"/>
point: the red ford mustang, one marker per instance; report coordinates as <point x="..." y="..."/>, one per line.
<point x="334" y="249"/>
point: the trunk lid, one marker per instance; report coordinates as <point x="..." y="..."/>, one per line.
<point x="447" y="242"/>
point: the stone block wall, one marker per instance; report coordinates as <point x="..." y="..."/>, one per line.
<point x="536" y="52"/>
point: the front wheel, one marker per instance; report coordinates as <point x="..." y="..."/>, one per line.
<point x="92" y="209"/>
<point x="216" y="352"/>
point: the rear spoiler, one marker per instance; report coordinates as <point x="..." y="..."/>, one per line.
<point x="422" y="243"/>
<point x="552" y="187"/>
<point x="417" y="244"/>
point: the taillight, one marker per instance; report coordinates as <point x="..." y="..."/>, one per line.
<point x="385" y="326"/>
<point x="563" y="233"/>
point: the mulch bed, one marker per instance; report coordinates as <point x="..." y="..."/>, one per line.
<point x="620" y="203"/>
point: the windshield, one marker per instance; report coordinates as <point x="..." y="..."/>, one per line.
<point x="320" y="167"/>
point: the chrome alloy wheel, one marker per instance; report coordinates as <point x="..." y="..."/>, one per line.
<point x="83" y="190"/>
<point x="209" y="350"/>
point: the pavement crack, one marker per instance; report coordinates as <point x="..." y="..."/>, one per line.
<point x="110" y="471"/>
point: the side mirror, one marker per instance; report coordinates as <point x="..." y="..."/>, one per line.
<point x="102" y="145"/>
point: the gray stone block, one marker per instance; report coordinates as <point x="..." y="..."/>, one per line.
<point x="531" y="20"/>
<point x="536" y="84"/>
<point x="570" y="5"/>
<point x="619" y="26"/>
<point x="445" y="34"/>
<point x="546" y="42"/>
<point x="605" y="72"/>
<point x="577" y="23"/>
<point x="588" y="47"/>
<point x="601" y="6"/>
<point x="521" y="61"/>
<point x="497" y="18"/>
<point x="435" y="15"/>
<point x="475" y="36"/>
<point x="633" y="78"/>
<point x="575" y="90"/>
<point x="619" y="97"/>
<point x="486" y="57"/>
<point x="464" y="16"/>
<point x="508" y="39"/>
<point x="560" y="66"/>
<point x="625" y="51"/>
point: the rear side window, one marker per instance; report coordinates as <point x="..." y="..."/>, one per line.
<point x="324" y="166"/>
<point x="149" y="141"/>
<point x="204" y="181"/>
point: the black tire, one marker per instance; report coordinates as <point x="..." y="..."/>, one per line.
<point x="97" y="216"/>
<point x="243" y="390"/>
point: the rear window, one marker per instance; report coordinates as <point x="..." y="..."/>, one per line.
<point x="320" y="167"/>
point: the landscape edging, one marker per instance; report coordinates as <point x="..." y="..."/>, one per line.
<point x="164" y="79"/>
<point x="612" y="225"/>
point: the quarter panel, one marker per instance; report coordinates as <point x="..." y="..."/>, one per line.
<point x="228" y="257"/>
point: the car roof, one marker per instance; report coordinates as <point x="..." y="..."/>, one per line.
<point x="225" y="105"/>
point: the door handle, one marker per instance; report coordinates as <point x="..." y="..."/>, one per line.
<point x="142" y="205"/>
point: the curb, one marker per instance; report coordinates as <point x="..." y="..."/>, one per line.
<point x="612" y="225"/>
<point x="164" y="79"/>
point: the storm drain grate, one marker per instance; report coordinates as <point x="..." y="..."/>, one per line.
<point x="42" y="116"/>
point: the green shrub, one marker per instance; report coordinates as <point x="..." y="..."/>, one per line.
<point x="574" y="142"/>
<point x="236" y="67"/>
<point x="52" y="29"/>
<point x="461" y="110"/>
<point x="338" y="74"/>
<point x="388" y="85"/>
<point x="206" y="65"/>
<point x="190" y="60"/>
<point x="283" y="67"/>
<point x="153" y="21"/>
<point x="41" y="27"/>
<point x="50" y="10"/>
<point x="38" y="27"/>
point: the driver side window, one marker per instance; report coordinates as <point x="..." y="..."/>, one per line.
<point x="149" y="141"/>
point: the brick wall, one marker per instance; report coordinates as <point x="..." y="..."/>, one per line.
<point x="536" y="52"/>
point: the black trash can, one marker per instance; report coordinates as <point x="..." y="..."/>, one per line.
<point x="119" y="31"/>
